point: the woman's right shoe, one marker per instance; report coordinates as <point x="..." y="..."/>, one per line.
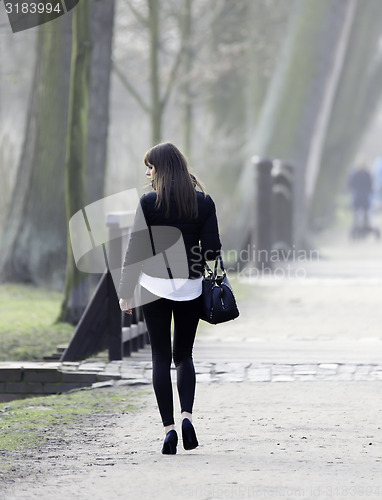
<point x="170" y="443"/>
<point x="188" y="435"/>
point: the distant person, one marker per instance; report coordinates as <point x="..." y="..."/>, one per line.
<point x="377" y="182"/>
<point x="361" y="189"/>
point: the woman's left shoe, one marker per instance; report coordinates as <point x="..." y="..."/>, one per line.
<point x="170" y="443"/>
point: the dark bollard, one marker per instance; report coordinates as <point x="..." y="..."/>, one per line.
<point x="115" y="316"/>
<point x="263" y="212"/>
<point x="282" y="209"/>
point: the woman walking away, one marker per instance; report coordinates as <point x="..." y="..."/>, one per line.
<point x="175" y="231"/>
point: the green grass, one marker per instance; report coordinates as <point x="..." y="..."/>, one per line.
<point x="28" y="331"/>
<point x="25" y="422"/>
<point x="27" y="322"/>
<point x="29" y="427"/>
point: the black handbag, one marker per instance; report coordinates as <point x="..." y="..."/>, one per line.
<point x="218" y="300"/>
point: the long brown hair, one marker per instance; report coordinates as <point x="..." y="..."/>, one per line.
<point x="172" y="175"/>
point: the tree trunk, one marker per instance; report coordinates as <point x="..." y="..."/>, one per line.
<point x="186" y="88"/>
<point x="355" y="105"/>
<point x="102" y="21"/>
<point x="289" y="116"/>
<point x="76" y="296"/>
<point x="156" y="103"/>
<point x="34" y="234"/>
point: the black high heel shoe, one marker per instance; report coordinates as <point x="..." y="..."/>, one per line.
<point x="170" y="442"/>
<point x="188" y="435"/>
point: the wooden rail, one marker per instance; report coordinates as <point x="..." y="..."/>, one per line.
<point x="103" y="325"/>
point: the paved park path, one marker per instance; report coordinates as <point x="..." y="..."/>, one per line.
<point x="288" y="401"/>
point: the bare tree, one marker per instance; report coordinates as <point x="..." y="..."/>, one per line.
<point x="101" y="26"/>
<point x="87" y="131"/>
<point x="34" y="233"/>
<point x="355" y="105"/>
<point x="75" y="164"/>
<point x="291" y="110"/>
<point x="162" y="60"/>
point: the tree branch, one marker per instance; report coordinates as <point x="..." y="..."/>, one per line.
<point x="141" y="18"/>
<point x="176" y="65"/>
<point x="172" y="77"/>
<point x="133" y="92"/>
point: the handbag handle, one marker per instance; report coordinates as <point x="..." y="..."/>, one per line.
<point x="218" y="260"/>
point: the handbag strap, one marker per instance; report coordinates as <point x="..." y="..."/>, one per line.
<point x="218" y="261"/>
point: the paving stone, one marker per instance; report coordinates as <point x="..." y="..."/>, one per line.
<point x="326" y="376"/>
<point x="202" y="369"/>
<point x="282" y="369"/>
<point x="328" y="366"/>
<point x="259" y="375"/>
<point x="79" y="377"/>
<point x="233" y="379"/>
<point x="107" y="376"/>
<point x="305" y="369"/>
<point x="282" y="378"/>
<point x="306" y="373"/>
<point x="138" y="381"/>
<point x="74" y="364"/>
<point x="91" y="368"/>
<point x="100" y="364"/>
<point x="132" y="368"/>
<point x="203" y="377"/>
<point x="69" y="368"/>
<point x="362" y="377"/>
<point x="221" y="368"/>
<point x="347" y="368"/>
<point x="363" y="369"/>
<point x="132" y="376"/>
<point x="345" y="376"/>
<point x="230" y="377"/>
<point x="239" y="366"/>
<point x="99" y="385"/>
<point x="376" y="374"/>
<point x="206" y="364"/>
<point x="325" y="371"/>
<point x="304" y="377"/>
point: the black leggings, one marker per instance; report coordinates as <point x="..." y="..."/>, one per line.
<point x="158" y="314"/>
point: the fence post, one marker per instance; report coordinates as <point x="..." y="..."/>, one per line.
<point x="282" y="211"/>
<point x="262" y="244"/>
<point x="101" y="324"/>
<point x="115" y="313"/>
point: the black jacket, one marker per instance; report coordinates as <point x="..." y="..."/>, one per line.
<point x="169" y="247"/>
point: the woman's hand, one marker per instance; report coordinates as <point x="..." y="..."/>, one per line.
<point x="125" y="306"/>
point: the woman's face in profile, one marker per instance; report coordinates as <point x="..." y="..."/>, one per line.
<point x="150" y="172"/>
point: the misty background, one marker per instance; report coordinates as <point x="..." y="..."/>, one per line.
<point x="297" y="80"/>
